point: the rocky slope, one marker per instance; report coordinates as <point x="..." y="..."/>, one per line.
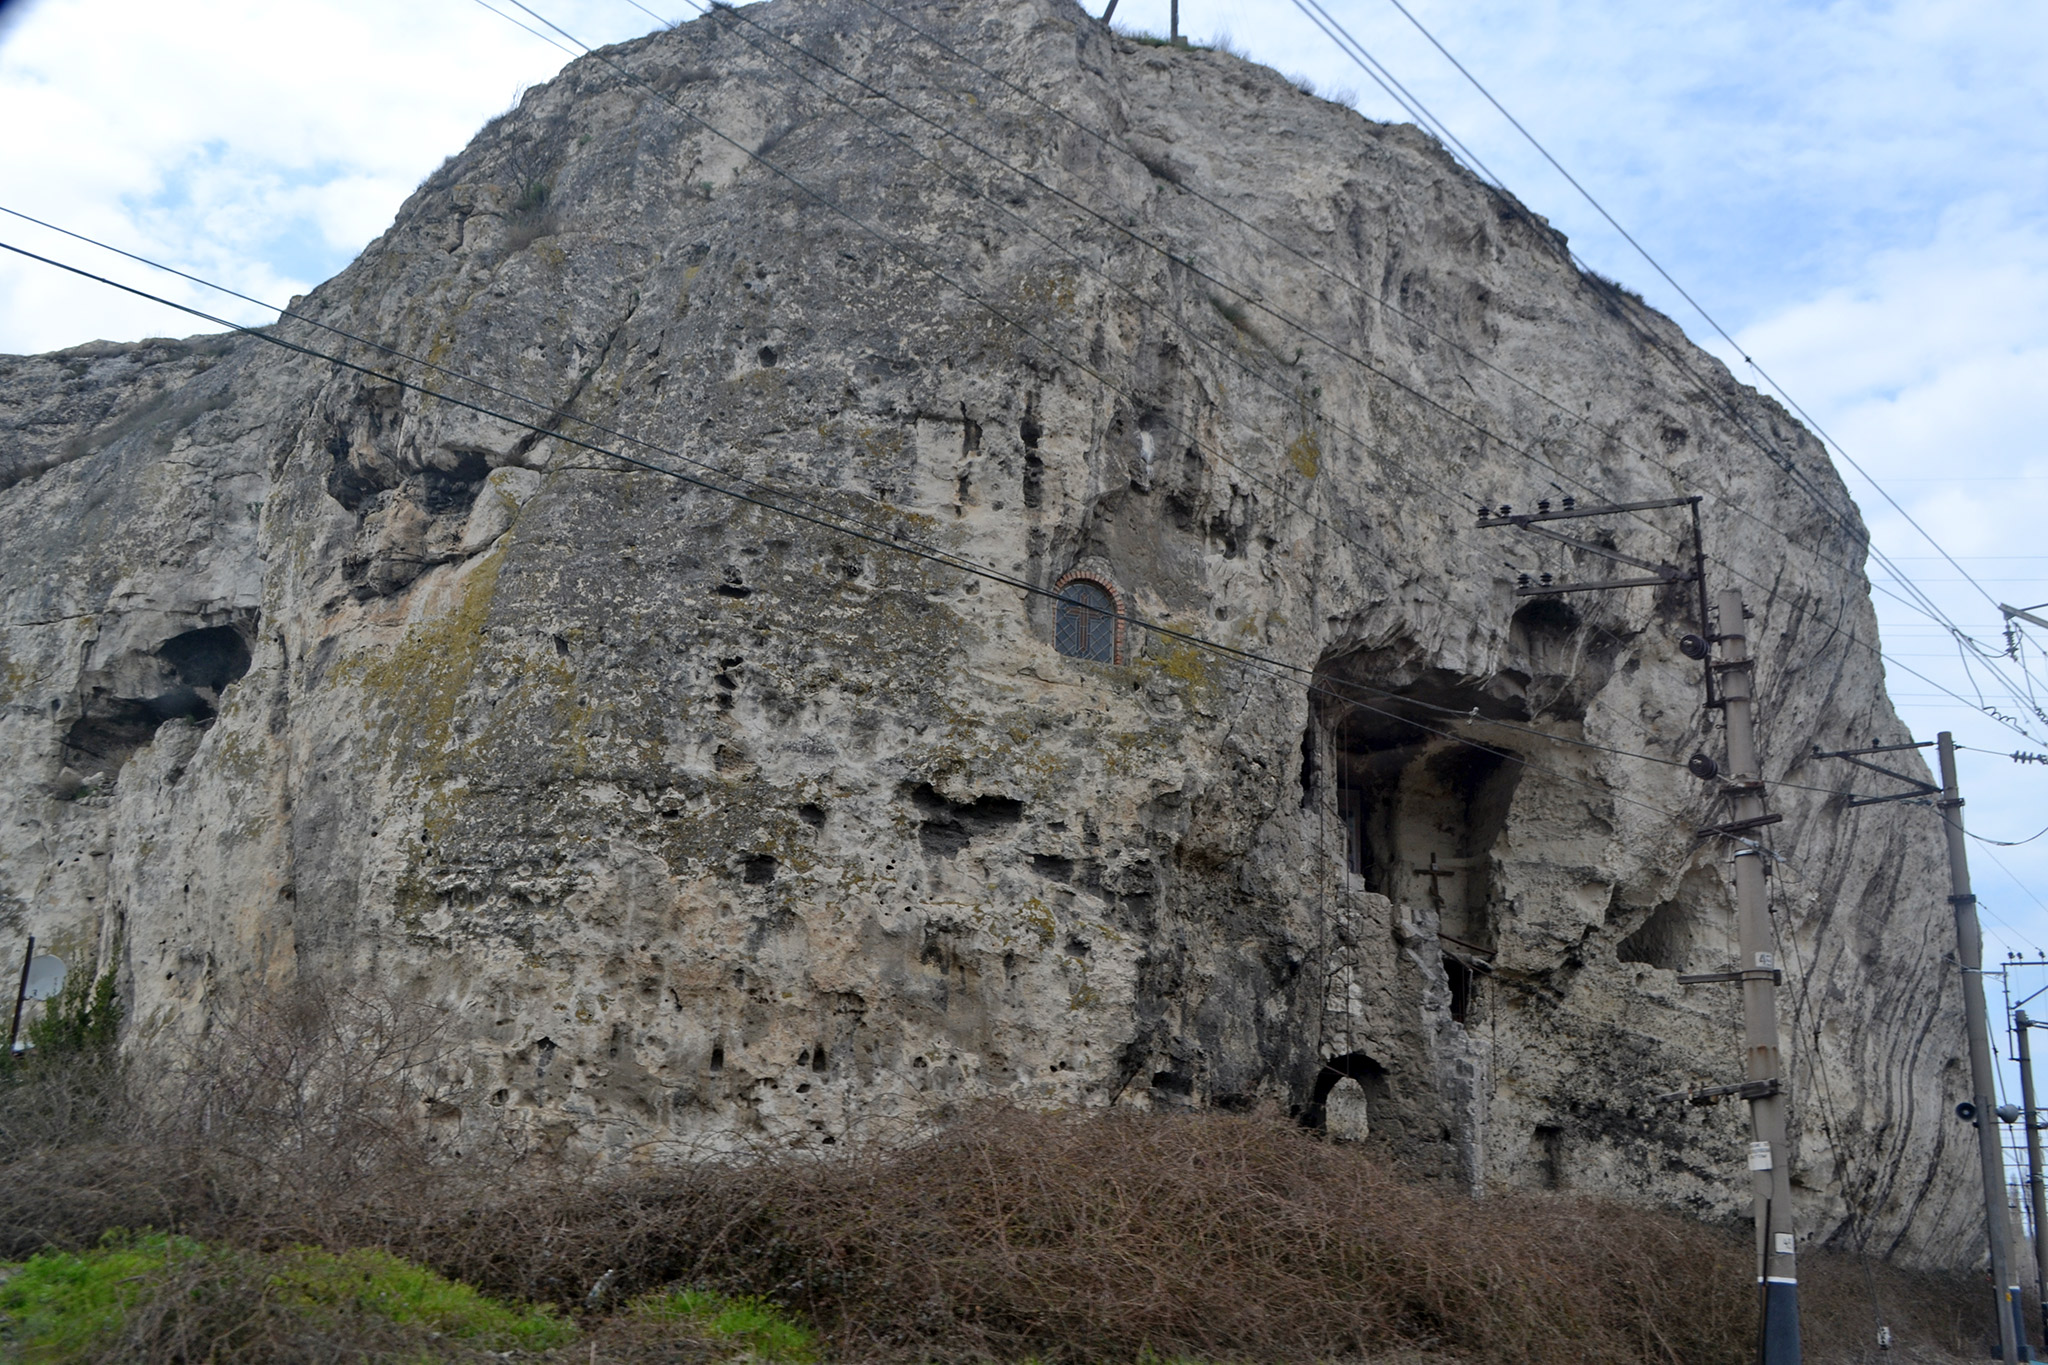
<point x="709" y="823"/>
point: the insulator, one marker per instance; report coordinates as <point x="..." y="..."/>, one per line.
<point x="1522" y="580"/>
<point x="1506" y="510"/>
<point x="1703" y="767"/>
<point x="1570" y="502"/>
<point x="1693" y="646"/>
<point x="1546" y="580"/>
<point x="1543" y="504"/>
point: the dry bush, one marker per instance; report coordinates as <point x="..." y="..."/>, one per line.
<point x="1011" y="1234"/>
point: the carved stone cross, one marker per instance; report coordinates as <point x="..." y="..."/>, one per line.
<point x="1436" y="894"/>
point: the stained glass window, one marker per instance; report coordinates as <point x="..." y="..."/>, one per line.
<point x="1086" y="626"/>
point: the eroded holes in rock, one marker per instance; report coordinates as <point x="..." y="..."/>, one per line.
<point x="182" y="678"/>
<point x="1543" y="633"/>
<point x="759" y="869"/>
<point x="811" y="814"/>
<point x="1546" y="1156"/>
<point x="1662" y="940"/>
<point x="819" y="1062"/>
<point x="1374" y="1098"/>
<point x="453" y="489"/>
<point x="1053" y="866"/>
<point x="1173" y="1085"/>
<point x="767" y="355"/>
<point x="717" y="1058"/>
<point x="947" y="826"/>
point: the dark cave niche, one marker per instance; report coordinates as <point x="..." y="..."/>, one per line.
<point x="1420" y="796"/>
<point x="1410" y="801"/>
<point x="1663" y="940"/>
<point x="1357" y="1066"/>
<point x="192" y="670"/>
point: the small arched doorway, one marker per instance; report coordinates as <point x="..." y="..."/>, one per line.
<point x="1353" y="1066"/>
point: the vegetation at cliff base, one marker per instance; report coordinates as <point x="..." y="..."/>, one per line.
<point x="317" y="1196"/>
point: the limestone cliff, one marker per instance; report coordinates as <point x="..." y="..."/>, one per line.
<point x="712" y="824"/>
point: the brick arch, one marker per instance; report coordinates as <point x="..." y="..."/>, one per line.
<point x="1118" y="602"/>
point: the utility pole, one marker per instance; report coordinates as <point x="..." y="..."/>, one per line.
<point x="1970" y="957"/>
<point x="1770" y="1158"/>
<point x="1173" y="22"/>
<point x="28" y="958"/>
<point x="2037" y="1199"/>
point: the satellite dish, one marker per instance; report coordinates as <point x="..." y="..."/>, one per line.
<point x="45" y="977"/>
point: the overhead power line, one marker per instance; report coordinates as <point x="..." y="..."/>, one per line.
<point x="1697" y="306"/>
<point x="1918" y="601"/>
<point x="553" y="412"/>
<point x="1341" y="691"/>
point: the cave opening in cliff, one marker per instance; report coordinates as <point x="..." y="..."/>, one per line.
<point x="1421" y="814"/>
<point x="1422" y="790"/>
<point x="1371" y="1078"/>
<point x="185" y="680"/>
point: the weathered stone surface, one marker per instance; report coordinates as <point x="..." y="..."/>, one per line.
<point x="711" y="824"/>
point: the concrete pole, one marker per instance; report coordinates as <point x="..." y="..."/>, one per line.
<point x="1770" y="1156"/>
<point x="1970" y="957"/>
<point x="20" y="994"/>
<point x="2037" y="1198"/>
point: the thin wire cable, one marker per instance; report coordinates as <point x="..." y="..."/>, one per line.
<point x="1923" y="605"/>
<point x="1252" y="661"/>
<point x="1146" y="306"/>
<point x="1450" y="713"/>
<point x="529" y="28"/>
<point x="1920" y="599"/>
<point x="1807" y="1021"/>
<point x="1711" y="321"/>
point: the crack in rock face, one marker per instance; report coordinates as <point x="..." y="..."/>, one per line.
<point x="708" y="824"/>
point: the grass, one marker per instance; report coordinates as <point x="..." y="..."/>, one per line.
<point x="766" y="1332"/>
<point x="310" y="1215"/>
<point x="153" y="1296"/>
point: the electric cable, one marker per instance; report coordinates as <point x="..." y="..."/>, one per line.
<point x="1925" y="605"/>
<point x="529" y="28"/>
<point x="553" y="412"/>
<point x="1249" y="659"/>
<point x="1860" y="1227"/>
<point x="1222" y="283"/>
<point x="1502" y="725"/>
<point x="1697" y="306"/>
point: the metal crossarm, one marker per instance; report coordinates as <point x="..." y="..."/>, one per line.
<point x="1918" y="788"/>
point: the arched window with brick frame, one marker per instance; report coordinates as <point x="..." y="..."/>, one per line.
<point x="1089" y="621"/>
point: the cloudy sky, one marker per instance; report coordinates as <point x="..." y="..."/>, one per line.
<point x="1858" y="192"/>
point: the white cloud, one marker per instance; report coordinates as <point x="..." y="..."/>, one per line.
<point x="254" y="143"/>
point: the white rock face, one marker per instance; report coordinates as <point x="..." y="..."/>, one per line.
<point x="712" y="824"/>
<point x="1347" y="1113"/>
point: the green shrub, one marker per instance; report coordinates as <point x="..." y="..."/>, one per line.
<point x="767" y="1333"/>
<point x="84" y="1016"/>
